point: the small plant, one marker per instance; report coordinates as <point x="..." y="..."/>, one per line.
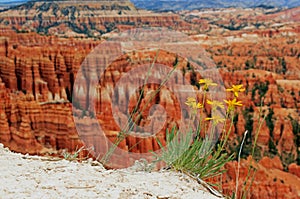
<point x="75" y="155"/>
<point x="196" y="151"/>
<point x="194" y="155"/>
<point x="70" y="156"/>
<point x="193" y="159"/>
<point x="136" y="114"/>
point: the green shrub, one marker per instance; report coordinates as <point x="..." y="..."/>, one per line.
<point x="197" y="158"/>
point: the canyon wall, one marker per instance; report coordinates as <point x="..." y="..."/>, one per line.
<point x="38" y="73"/>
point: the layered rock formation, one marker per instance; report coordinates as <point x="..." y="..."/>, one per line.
<point x="270" y="181"/>
<point x="37" y="74"/>
<point x="83" y="18"/>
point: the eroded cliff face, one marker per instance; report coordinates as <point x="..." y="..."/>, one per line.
<point x="269" y="179"/>
<point x="37" y="128"/>
<point x="84" y="18"/>
<point x="37" y="75"/>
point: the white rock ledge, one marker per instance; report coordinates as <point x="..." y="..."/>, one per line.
<point x="24" y="176"/>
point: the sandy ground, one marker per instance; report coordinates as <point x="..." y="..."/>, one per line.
<point x="24" y="176"/>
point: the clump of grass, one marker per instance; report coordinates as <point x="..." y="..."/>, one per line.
<point x="70" y="156"/>
<point x="197" y="157"/>
<point x="75" y="155"/>
<point x="182" y="155"/>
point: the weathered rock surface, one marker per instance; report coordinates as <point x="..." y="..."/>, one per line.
<point x="37" y="74"/>
<point x="83" y="18"/>
<point x="294" y="169"/>
<point x="35" y="177"/>
<point x="269" y="180"/>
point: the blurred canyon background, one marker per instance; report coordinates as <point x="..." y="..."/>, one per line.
<point x="257" y="44"/>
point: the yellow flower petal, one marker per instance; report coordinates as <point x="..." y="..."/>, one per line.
<point x="192" y="103"/>
<point x="233" y="103"/>
<point x="207" y="83"/>
<point x="215" y="104"/>
<point x="215" y="119"/>
<point x="236" y="89"/>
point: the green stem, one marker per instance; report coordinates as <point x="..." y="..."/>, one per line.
<point x="252" y="154"/>
<point x="124" y="133"/>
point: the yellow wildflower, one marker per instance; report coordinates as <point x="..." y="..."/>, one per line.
<point x="191" y="102"/>
<point x="207" y="83"/>
<point x="233" y="103"/>
<point x="215" y="104"/>
<point x="216" y="119"/>
<point x="236" y="89"/>
<point x="197" y="106"/>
